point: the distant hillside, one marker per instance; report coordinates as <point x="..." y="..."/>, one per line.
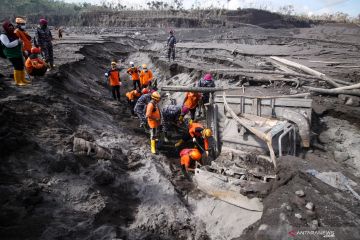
<point x="9" y="8"/>
<point x="60" y="13"/>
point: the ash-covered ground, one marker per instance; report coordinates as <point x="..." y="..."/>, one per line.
<point x="49" y="190"/>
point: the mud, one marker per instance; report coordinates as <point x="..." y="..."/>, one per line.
<point x="50" y="191"/>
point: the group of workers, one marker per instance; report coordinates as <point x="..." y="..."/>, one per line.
<point x="144" y="103"/>
<point x="24" y="52"/>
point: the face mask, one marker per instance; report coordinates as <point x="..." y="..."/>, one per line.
<point x="44" y="26"/>
<point x="23" y="27"/>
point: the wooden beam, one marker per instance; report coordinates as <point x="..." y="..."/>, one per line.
<point x="255" y="71"/>
<point x="299" y="95"/>
<point x="334" y="91"/>
<point x="192" y="89"/>
<point x="307" y="70"/>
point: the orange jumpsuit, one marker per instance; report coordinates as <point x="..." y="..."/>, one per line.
<point x="145" y="78"/>
<point x="25" y="37"/>
<point x="191" y="100"/>
<point x="114" y="77"/>
<point x="134" y="72"/>
<point x="132" y="95"/>
<point x="153" y="114"/>
<point x="195" y="130"/>
<point x="35" y="66"/>
<point x="114" y="81"/>
<point x="186" y="160"/>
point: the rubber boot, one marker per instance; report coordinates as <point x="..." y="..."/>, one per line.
<point x="23" y="79"/>
<point x="153" y="146"/>
<point x="17" y="78"/>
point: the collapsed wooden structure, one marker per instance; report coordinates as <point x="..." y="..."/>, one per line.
<point x="270" y="119"/>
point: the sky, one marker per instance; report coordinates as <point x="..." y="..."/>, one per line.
<point x="351" y="7"/>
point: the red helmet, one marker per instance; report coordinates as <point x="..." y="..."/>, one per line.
<point x="208" y="77"/>
<point x="43" y="21"/>
<point x="35" y="50"/>
<point x="145" y="91"/>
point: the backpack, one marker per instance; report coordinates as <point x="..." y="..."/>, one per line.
<point x="204" y="83"/>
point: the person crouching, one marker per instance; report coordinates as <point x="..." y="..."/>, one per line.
<point x="34" y="65"/>
<point x="132" y="98"/>
<point x="188" y="159"/>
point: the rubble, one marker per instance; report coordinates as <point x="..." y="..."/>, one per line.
<point x="310" y="206"/>
<point x="300" y="193"/>
<point x="341" y="156"/>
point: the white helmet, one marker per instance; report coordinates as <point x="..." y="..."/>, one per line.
<point x="132" y="64"/>
<point x="106" y="74"/>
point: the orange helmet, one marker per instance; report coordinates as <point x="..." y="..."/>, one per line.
<point x="155" y="96"/>
<point x="195" y="155"/>
<point x="35" y="50"/>
<point x="20" y="20"/>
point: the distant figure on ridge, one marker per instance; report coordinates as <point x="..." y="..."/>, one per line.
<point x="171" y="43"/>
<point x="60" y="33"/>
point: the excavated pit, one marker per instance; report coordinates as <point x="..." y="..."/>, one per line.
<point x="54" y="191"/>
<point x="75" y="165"/>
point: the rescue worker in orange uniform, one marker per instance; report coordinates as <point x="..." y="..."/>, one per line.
<point x="190" y="104"/>
<point x="20" y="31"/>
<point x="146" y="76"/>
<point x="199" y="135"/>
<point x="114" y="80"/>
<point x="188" y="159"/>
<point x="153" y="118"/>
<point x="134" y="73"/>
<point x="34" y="65"/>
<point x="132" y="98"/>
